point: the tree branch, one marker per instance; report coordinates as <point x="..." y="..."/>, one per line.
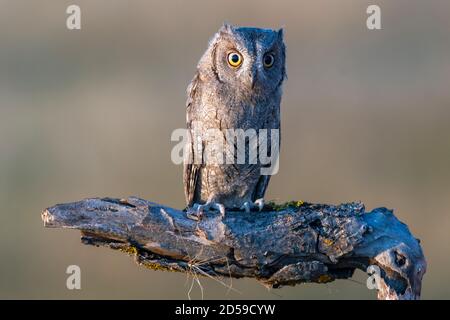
<point x="283" y="245"/>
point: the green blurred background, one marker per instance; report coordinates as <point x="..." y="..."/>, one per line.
<point x="365" y="116"/>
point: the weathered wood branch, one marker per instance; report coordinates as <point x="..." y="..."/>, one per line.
<point x="283" y="245"/>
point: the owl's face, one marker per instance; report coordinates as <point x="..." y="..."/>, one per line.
<point x="248" y="60"/>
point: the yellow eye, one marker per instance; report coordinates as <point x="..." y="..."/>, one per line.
<point x="268" y="60"/>
<point x="234" y="59"/>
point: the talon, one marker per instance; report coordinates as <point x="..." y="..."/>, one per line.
<point x="260" y="204"/>
<point x="246" y="207"/>
<point x="201" y="208"/>
<point x="197" y="210"/>
<point x="220" y="207"/>
<point x="195" y="214"/>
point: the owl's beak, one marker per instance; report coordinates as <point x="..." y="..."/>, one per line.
<point x="253" y="79"/>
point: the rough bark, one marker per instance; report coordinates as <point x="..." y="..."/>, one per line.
<point x="283" y="245"/>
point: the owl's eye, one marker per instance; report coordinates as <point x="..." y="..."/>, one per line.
<point x="234" y="59"/>
<point x="268" y="60"/>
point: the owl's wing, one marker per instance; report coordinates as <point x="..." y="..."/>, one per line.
<point x="261" y="187"/>
<point x="263" y="182"/>
<point x="191" y="170"/>
<point x="190" y="181"/>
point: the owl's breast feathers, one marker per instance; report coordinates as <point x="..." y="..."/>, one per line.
<point x="231" y="184"/>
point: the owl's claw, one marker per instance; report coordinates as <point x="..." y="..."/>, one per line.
<point x="259" y="203"/>
<point x="248" y="206"/>
<point x="219" y="207"/>
<point x="245" y="207"/>
<point x="197" y="211"/>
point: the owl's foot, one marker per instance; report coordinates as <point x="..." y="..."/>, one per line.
<point x="248" y="206"/>
<point x="196" y="213"/>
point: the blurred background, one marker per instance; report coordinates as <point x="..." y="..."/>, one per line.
<point x="365" y="116"/>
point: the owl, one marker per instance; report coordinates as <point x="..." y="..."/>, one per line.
<point x="238" y="85"/>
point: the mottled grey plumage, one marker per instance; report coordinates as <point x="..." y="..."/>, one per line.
<point x="225" y="97"/>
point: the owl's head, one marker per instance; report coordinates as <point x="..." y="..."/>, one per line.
<point x="246" y="60"/>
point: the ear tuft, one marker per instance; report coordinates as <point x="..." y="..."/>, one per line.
<point x="227" y="28"/>
<point x="280" y="33"/>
